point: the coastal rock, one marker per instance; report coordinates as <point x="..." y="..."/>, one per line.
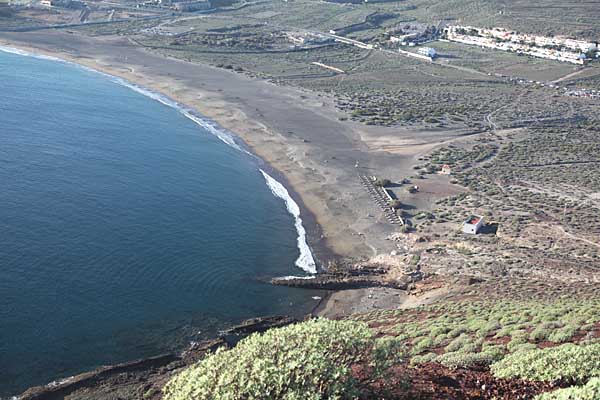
<point x="336" y="282"/>
<point x="142" y="379"/>
<point x="236" y="333"/>
<point x="61" y="389"/>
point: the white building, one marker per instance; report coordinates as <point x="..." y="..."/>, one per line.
<point x="188" y="6"/>
<point x="427" y="52"/>
<point x="473" y="224"/>
<point x="553" y="48"/>
<point x="446" y="170"/>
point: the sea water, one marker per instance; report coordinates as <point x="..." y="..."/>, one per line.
<point x="128" y="225"/>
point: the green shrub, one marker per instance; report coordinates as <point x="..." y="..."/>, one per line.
<point x="487" y="328"/>
<point x="539" y="334"/>
<point x="395" y="204"/>
<point x="383" y="182"/>
<point x="427" y="357"/>
<point x="591" y="391"/>
<point x="523" y="347"/>
<point x="464" y="360"/>
<point x="421" y="345"/>
<point x="494" y="351"/>
<point x="457" y="331"/>
<point x="571" y="362"/>
<point x="563" y="334"/>
<point x="458" y="343"/>
<point x="439" y="339"/>
<point x="310" y="360"/>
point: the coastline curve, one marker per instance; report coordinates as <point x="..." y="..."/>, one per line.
<point x="305" y="260"/>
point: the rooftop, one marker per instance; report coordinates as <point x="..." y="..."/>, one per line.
<point x="473" y="220"/>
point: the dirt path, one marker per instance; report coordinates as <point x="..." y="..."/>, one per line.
<point x="575" y="237"/>
<point x="571" y="75"/>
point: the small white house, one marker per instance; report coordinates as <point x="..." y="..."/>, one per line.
<point x="427" y="52"/>
<point x="446" y="170"/>
<point x="473" y="224"/>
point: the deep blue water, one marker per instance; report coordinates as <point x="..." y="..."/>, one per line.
<point x="125" y="228"/>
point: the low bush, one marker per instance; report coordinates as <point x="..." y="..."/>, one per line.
<point x="458" y="343"/>
<point x="591" y="391"/>
<point x="420" y="359"/>
<point x="421" y="345"/>
<point x="311" y="360"/>
<point x="395" y="204"/>
<point x="563" y="334"/>
<point x="539" y="334"/>
<point x="464" y="360"/>
<point x="383" y="182"/>
<point x="571" y="362"/>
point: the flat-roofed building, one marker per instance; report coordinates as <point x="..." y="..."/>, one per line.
<point x="427" y="52"/>
<point x="446" y="170"/>
<point x="192" y="5"/>
<point x="473" y="224"/>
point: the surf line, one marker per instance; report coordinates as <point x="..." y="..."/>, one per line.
<point x="305" y="260"/>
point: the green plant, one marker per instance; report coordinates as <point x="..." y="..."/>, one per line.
<point x="395" y="204"/>
<point x="150" y="393"/>
<point x="539" y="334"/>
<point x="309" y="360"/>
<point x="464" y="360"/>
<point x="458" y="343"/>
<point x="424" y="358"/>
<point x="591" y="391"/>
<point x="575" y="363"/>
<point x="382" y="182"/>
<point x="422" y="345"/>
<point x="563" y="334"/>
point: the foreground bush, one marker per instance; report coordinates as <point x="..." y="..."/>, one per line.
<point x="591" y="391"/>
<point x="311" y="360"/>
<point x="574" y="363"/>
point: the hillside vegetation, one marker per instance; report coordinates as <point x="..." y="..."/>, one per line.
<point x="379" y="354"/>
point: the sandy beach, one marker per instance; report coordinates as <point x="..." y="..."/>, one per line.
<point x="296" y="132"/>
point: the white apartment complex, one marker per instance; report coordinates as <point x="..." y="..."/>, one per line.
<point x="553" y="48"/>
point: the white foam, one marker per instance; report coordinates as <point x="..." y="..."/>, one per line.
<point x="225" y="136"/>
<point x="292" y="277"/>
<point x="20" y="52"/>
<point x="305" y="261"/>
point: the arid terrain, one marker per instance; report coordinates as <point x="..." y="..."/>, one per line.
<point x="507" y="137"/>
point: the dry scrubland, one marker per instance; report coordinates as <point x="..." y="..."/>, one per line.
<point x="527" y="161"/>
<point x="523" y="154"/>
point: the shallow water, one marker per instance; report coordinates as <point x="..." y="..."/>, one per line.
<point x="126" y="229"/>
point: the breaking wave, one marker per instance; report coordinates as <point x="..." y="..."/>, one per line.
<point x="305" y="260"/>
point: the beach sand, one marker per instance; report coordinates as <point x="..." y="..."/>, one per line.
<point x="296" y="132"/>
<point x="357" y="301"/>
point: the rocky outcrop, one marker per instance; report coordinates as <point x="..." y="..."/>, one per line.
<point x="59" y="390"/>
<point x="336" y="282"/>
<point x="352" y="276"/>
<point x="142" y="379"/>
<point x="255" y="325"/>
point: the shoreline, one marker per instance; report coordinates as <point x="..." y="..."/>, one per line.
<point x="308" y="223"/>
<point x="308" y="220"/>
<point x="296" y="136"/>
<point x="296" y="132"/>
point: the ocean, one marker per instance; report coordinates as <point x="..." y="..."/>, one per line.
<point x="129" y="226"/>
